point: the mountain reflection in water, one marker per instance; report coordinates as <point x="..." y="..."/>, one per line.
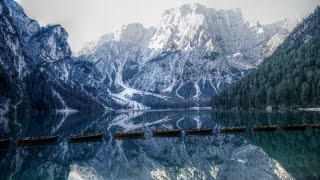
<point x="273" y="155"/>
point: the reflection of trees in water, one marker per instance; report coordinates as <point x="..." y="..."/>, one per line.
<point x="187" y="156"/>
<point x="297" y="151"/>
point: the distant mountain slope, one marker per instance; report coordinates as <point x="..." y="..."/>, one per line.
<point x="289" y="78"/>
<point x="35" y="65"/>
<point x="193" y="54"/>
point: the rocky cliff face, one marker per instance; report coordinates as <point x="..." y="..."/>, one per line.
<point x="289" y="79"/>
<point x="35" y="65"/>
<point x="193" y="54"/>
<point x="49" y="44"/>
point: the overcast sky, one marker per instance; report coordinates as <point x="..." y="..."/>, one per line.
<point x="86" y="20"/>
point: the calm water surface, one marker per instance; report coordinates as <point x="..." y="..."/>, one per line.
<point x="263" y="155"/>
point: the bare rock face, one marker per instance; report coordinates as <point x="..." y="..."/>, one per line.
<point x="35" y="66"/>
<point x="193" y="54"/>
<point x="25" y="27"/>
<point x="49" y="44"/>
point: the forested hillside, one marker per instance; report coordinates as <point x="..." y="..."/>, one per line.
<point x="290" y="78"/>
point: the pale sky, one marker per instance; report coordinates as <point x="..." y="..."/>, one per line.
<point x="86" y="20"/>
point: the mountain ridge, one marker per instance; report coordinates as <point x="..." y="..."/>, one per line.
<point x="288" y="79"/>
<point x="34" y="61"/>
<point x="194" y="53"/>
<point x="194" y="48"/>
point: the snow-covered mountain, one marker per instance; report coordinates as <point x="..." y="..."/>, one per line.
<point x="192" y="54"/>
<point x="35" y="65"/>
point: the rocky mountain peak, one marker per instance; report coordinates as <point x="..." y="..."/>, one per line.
<point x="133" y="33"/>
<point x="192" y="54"/>
<point x="49" y="44"/>
<point x="193" y="8"/>
<point x="26" y="27"/>
<point x="193" y="26"/>
<point x="31" y="82"/>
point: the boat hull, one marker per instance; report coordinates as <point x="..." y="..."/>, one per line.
<point x="38" y="140"/>
<point x="167" y="133"/>
<point x="315" y="126"/>
<point x="79" y="138"/>
<point x="5" y="143"/>
<point x="129" y="135"/>
<point x="264" y="128"/>
<point x="232" y="130"/>
<point x="294" y="127"/>
<point x="199" y="131"/>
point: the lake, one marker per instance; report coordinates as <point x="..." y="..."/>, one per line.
<point x="250" y="155"/>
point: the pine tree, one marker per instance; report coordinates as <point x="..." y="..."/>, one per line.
<point x="305" y="94"/>
<point x="290" y="77"/>
<point x="270" y="96"/>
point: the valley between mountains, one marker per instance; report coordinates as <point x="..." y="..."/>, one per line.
<point x="193" y="54"/>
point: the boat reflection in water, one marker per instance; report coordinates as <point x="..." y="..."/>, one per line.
<point x="249" y="155"/>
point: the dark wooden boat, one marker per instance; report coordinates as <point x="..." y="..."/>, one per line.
<point x="128" y="134"/>
<point x="199" y="131"/>
<point x="38" y="140"/>
<point x="264" y="128"/>
<point x="232" y="129"/>
<point x="315" y="126"/>
<point x="5" y="143"/>
<point x="85" y="137"/>
<point x="167" y="132"/>
<point x="294" y="127"/>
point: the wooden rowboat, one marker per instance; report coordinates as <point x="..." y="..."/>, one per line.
<point x="315" y="126"/>
<point x="199" y="131"/>
<point x="167" y="132"/>
<point x="5" y="143"/>
<point x="128" y="134"/>
<point x="38" y="140"/>
<point x="264" y="128"/>
<point x="294" y="127"/>
<point x="232" y="129"/>
<point x="85" y="137"/>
